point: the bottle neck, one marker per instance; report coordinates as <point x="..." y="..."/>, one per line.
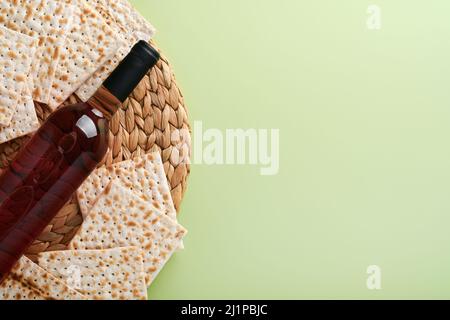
<point x="105" y="102"/>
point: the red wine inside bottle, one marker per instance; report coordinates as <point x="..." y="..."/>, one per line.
<point x="59" y="157"/>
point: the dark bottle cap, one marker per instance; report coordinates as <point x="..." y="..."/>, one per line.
<point x="124" y="79"/>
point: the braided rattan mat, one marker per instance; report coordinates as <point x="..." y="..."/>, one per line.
<point x="154" y="118"/>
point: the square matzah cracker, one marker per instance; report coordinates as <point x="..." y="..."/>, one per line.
<point x="13" y="289"/>
<point x="127" y="22"/>
<point x="16" y="55"/>
<point x="90" y="43"/>
<point x="49" y="286"/>
<point x="112" y="274"/>
<point x="128" y="18"/>
<point x="88" y="88"/>
<point x="47" y="20"/>
<point x="120" y="218"/>
<point x="24" y="120"/>
<point x="144" y="175"/>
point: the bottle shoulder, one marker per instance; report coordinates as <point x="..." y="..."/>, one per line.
<point x="80" y="115"/>
<point x="78" y="125"/>
<point x="78" y="110"/>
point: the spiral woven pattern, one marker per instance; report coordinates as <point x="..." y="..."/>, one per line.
<point x="153" y="118"/>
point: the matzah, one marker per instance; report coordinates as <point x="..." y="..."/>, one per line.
<point x="49" y="286"/>
<point x="16" y="55"/>
<point x="129" y="19"/>
<point x="145" y="176"/>
<point x="90" y="43"/>
<point x="24" y="120"/>
<point x="132" y="27"/>
<point x="14" y="289"/>
<point x="112" y="274"/>
<point x="47" y="20"/>
<point x="120" y="218"/>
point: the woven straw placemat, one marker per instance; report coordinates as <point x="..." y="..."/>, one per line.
<point x="153" y="118"/>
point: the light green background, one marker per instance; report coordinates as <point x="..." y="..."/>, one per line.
<point x="365" y="153"/>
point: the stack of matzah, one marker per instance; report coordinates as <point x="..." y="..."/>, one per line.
<point x="129" y="233"/>
<point x="50" y="49"/>
<point x="28" y="281"/>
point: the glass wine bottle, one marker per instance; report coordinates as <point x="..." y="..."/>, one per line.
<point x="60" y="156"/>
